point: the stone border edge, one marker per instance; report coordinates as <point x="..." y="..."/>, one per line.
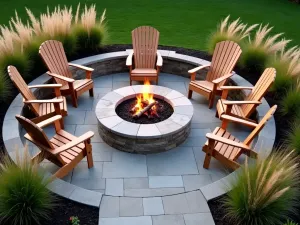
<point x="12" y="139"/>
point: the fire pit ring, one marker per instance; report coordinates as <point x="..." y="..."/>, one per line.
<point x="144" y="138"/>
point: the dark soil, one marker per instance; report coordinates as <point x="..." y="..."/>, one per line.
<point x="89" y="215"/>
<point x="164" y="111"/>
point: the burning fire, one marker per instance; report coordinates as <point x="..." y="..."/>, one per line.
<point x="143" y="100"/>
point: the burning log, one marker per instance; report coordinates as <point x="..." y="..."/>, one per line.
<point x="148" y="107"/>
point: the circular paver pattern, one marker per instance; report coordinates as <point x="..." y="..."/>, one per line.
<point x="144" y="138"/>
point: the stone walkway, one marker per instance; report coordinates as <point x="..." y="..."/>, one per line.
<point x="157" y="189"/>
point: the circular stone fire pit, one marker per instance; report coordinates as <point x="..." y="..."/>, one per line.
<point x="151" y="137"/>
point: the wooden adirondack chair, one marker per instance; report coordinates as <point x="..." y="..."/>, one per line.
<point x="244" y="109"/>
<point x="225" y="56"/>
<point x="53" y="54"/>
<point x="145" y="43"/>
<point x="63" y="149"/>
<point x="226" y="148"/>
<point x="43" y="109"/>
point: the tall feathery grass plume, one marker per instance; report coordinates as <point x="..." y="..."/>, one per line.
<point x="235" y="31"/>
<point x="24" y="197"/>
<point x="265" y="192"/>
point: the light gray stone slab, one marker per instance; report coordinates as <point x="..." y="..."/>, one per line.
<point x="125" y="91"/>
<point x="184" y="110"/>
<point x="75" y="117"/>
<point x="87" y="197"/>
<point x="12" y="112"/>
<point x="174" y="94"/>
<point x="120" y="84"/>
<point x="110" y="207"/>
<point x="114" y="187"/>
<point x="102" y="152"/>
<point x="148" y="131"/>
<point x="90" y="118"/>
<point x="165" y="181"/>
<point x="12" y="126"/>
<point x="126" y="128"/>
<point x="91" y="184"/>
<point x="105" y="112"/>
<point x="153" y="206"/>
<point x="52" y="168"/>
<point x="199" y="132"/>
<point x="138" y="89"/>
<point x="140" y="220"/>
<point x="168" y="126"/>
<point x="196" y="202"/>
<point x="160" y="90"/>
<point x="82" y="171"/>
<point x="125" y="165"/>
<point x="152" y="192"/>
<point x="180" y="119"/>
<point x="198" y="219"/>
<point x="103" y="82"/>
<point x="101" y="90"/>
<point x="82" y="129"/>
<point x="111" y="121"/>
<point x="120" y="77"/>
<point x="194" y="182"/>
<point x="134" y="183"/>
<point x="181" y="101"/>
<point x="104" y="104"/>
<point x="168" y="220"/>
<point x="112" y="96"/>
<point x="176" y="204"/>
<point x="131" y="206"/>
<point x="213" y="190"/>
<point x="179" y="161"/>
<point x="61" y="187"/>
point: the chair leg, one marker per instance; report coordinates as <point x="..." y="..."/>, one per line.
<point x="130" y="82"/>
<point x="74" y="100"/>
<point x="217" y="114"/>
<point x="89" y="155"/>
<point x="190" y="94"/>
<point x="224" y="124"/>
<point x="61" y="121"/>
<point x="91" y="91"/>
<point x="207" y="161"/>
<point x="211" y="101"/>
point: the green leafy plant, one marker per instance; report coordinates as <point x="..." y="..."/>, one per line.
<point x="289" y="222"/>
<point x="18" y="60"/>
<point x="74" y="220"/>
<point x="5" y="87"/>
<point x="24" y="197"/>
<point x="293" y="136"/>
<point x="265" y="192"/>
<point x="290" y="102"/>
<point x="235" y="31"/>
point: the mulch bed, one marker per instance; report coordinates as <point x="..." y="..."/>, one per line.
<point x="89" y="215"/>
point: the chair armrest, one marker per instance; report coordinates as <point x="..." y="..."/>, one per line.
<point x="67" y="79"/>
<point x="49" y="121"/>
<point x="45" y="86"/>
<point x="235" y="88"/>
<point x="73" y="143"/>
<point x="44" y="101"/>
<point x="198" y="68"/>
<point x="159" y="61"/>
<point x="227" y="102"/>
<point x="220" y="79"/>
<point x="227" y="141"/>
<point x="82" y="67"/>
<point x="238" y="120"/>
<point x="129" y="59"/>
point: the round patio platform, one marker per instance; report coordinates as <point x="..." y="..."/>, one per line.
<point x="172" y="182"/>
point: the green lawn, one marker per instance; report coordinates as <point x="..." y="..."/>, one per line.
<point x="183" y="23"/>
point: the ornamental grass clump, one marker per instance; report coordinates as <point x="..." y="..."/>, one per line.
<point x="235" y="31"/>
<point x="289" y="222"/>
<point x="293" y="137"/>
<point x="265" y="192"/>
<point x="290" y="102"/>
<point x="5" y="87"/>
<point x="287" y="68"/>
<point x="24" y="197"/>
<point x="258" y="50"/>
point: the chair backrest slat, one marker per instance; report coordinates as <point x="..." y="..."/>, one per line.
<point x="259" y="90"/>
<point x="19" y="82"/>
<point x="53" y="54"/>
<point x="145" y="42"/>
<point x="36" y="133"/>
<point x="260" y="125"/>
<point x="225" y="56"/>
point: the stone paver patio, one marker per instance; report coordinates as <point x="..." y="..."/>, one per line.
<point x="155" y="189"/>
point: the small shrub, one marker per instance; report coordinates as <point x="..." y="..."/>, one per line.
<point x="69" y="43"/>
<point x="290" y="102"/>
<point x="24" y="197"/>
<point x="293" y="137"/>
<point x="74" y="220"/>
<point x="5" y="88"/>
<point x="234" y="31"/>
<point x="18" y="60"/>
<point x="289" y="222"/>
<point x="265" y="192"/>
